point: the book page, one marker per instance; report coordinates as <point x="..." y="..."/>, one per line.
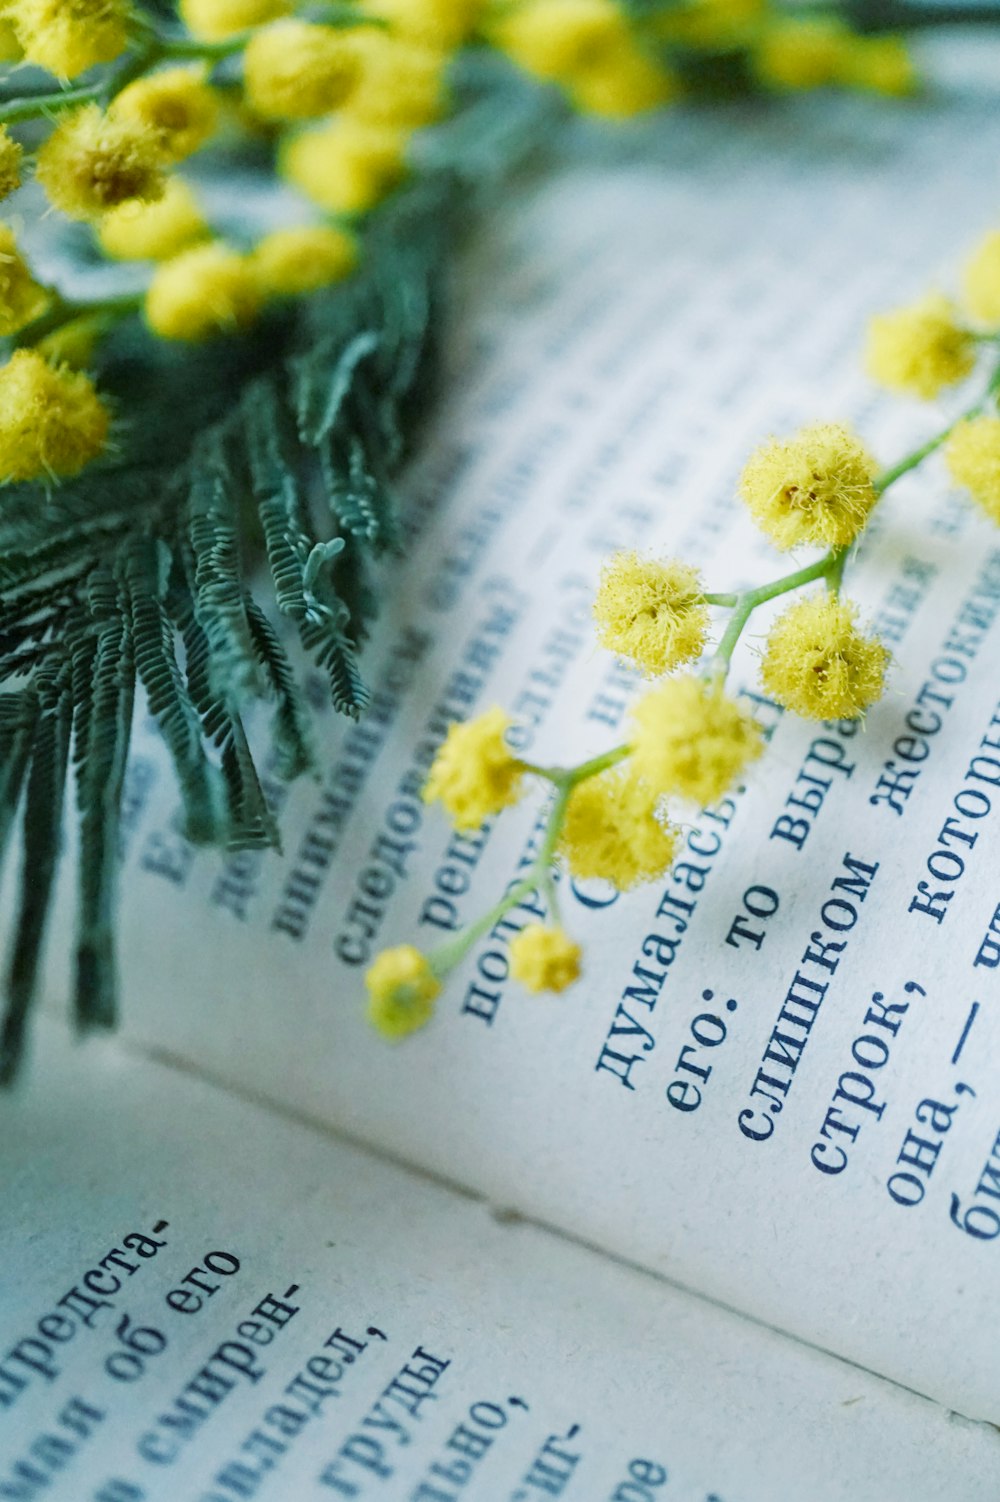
<point x="202" y="1302"/>
<point x="774" y="1083"/>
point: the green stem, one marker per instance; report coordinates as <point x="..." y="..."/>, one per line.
<point x="61" y="312"/>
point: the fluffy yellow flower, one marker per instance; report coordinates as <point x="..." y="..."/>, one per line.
<point x="544" y="959"/>
<point x="21" y="298"/>
<point x="710" y="23"/>
<point x="154" y="231"/>
<point x="207" y="290"/>
<point x="558" y="39"/>
<point x="651" y="612"/>
<point x="972" y="455"/>
<point x="402" y="988"/>
<point x="294" y="70"/>
<point x="819" y="664"/>
<point x="292" y="261"/>
<point x="52" y="422"/>
<point x="69" y="36"/>
<point x="981" y="282"/>
<point x="441" y="24"/>
<point x="400" y="83"/>
<point x="625" y="83"/>
<point x="474" y="774"/>
<point x="688" y="738"/>
<point x="94" y="161"/>
<point x="612" y="830"/>
<point x="214" y="20"/>
<point x="806" y="52"/>
<point x="919" y="350"/>
<point x="10" y="48"/>
<point x="11" y="153"/>
<point x="176" y="104"/>
<point x="346" y="167"/>
<point x="815" y="487"/>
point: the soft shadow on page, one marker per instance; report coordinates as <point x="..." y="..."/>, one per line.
<point x="261" y="1311"/>
<point x="628" y="332"/>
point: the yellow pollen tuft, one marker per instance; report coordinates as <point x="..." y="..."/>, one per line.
<point x="294" y="70"/>
<point x="819" y="664"/>
<point x="154" y="231"/>
<point x="815" y="487"/>
<point x="475" y="774"/>
<point x="292" y="261"/>
<point x="93" y="162"/>
<point x="214" y="20"/>
<point x="52" y="422"/>
<point x="345" y="167"/>
<point x="69" y="36"/>
<point x="21" y="298"/>
<point x="613" y="830"/>
<point x="689" y="738"/>
<point x="981" y="281"/>
<point x="972" y="455"/>
<point x="402" y="988"/>
<point x="400" y="83"/>
<point x="544" y="958"/>
<point x="651" y="612"/>
<point x="919" y="350"/>
<point x="176" y="105"/>
<point x="441" y="24"/>
<point x="204" y="291"/>
<point x="11" y="154"/>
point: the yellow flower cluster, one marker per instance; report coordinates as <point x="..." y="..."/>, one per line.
<point x="690" y="739"/>
<point x="813" y="52"/>
<point x="813" y="488"/>
<point x="11" y="156"/>
<point x="294" y="70"/>
<point x="175" y="106"/>
<point x="651" y="612"/>
<point x="215" y="20"/>
<point x="402" y="989"/>
<point x="589" y="48"/>
<point x="21" y="298"/>
<point x="475" y="774"/>
<point x="69" y="36"/>
<point x="52" y="422"/>
<point x="613" y="830"/>
<point x="209" y="289"/>
<point x="981" y="282"/>
<point x="544" y="958"/>
<point x="95" y="160"/>
<point x="137" y="231"/>
<point x="973" y="458"/>
<point x="819" y="664"/>
<point x="921" y="349"/>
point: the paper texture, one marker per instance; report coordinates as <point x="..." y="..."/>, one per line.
<point x="628" y="331"/>
<point x="432" y="1354"/>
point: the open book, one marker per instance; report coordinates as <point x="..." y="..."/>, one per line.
<point x="723" y="1220"/>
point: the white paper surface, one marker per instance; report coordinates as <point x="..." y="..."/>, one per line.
<point x="630" y="331"/>
<point x="527" y="1341"/>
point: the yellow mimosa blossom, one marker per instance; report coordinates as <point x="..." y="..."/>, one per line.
<point x="21" y="298"/>
<point x="689" y="738"/>
<point x="52" y="422"/>
<point x="802" y="52"/>
<point x="879" y="65"/>
<point x="651" y="612"/>
<point x="815" y="487"/>
<point x="710" y="23"/>
<point x="346" y="166"/>
<point x="981" y="281"/>
<point x="11" y="153"/>
<point x="294" y="70"/>
<point x="402" y="989"/>
<point x="625" y="83"/>
<point x="558" y="39"/>
<point x="612" y="829"/>
<point x="207" y="290"/>
<point x="94" y="161"/>
<point x="176" y="104"/>
<point x="442" y="24"/>
<point x="972" y="455"/>
<point x="819" y="664"/>
<point x="10" y="48"/>
<point x="475" y="774"/>
<point x="400" y="83"/>
<point x="289" y="262"/>
<point x="544" y="958"/>
<point x="154" y="231"/>
<point x="214" y="20"/>
<point x="69" y="36"/>
<point x="921" y="349"/>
